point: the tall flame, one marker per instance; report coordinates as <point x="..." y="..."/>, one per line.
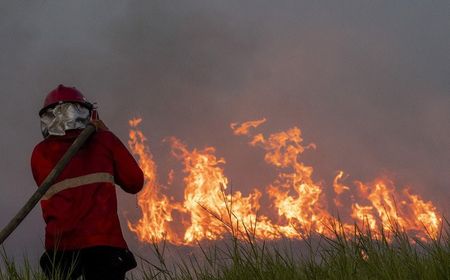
<point x="156" y="207"/>
<point x="211" y="208"/>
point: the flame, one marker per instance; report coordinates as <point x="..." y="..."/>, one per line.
<point x="303" y="210"/>
<point x="156" y="207"/>
<point x="211" y="209"/>
<point x="364" y="214"/>
<point x="243" y="128"/>
<point x="426" y="215"/>
<point x="339" y="188"/>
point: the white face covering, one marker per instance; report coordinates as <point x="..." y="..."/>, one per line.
<point x="62" y="117"/>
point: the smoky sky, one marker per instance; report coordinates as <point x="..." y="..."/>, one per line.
<point x="366" y="81"/>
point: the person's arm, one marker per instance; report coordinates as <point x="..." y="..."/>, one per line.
<point x="127" y="173"/>
<point x="39" y="165"/>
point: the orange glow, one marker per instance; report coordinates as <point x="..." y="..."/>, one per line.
<point x="211" y="208"/>
<point x="337" y="185"/>
<point x="425" y="213"/>
<point x="364" y="214"/>
<point x="243" y="128"/>
<point x="339" y="188"/>
<point x="156" y="207"/>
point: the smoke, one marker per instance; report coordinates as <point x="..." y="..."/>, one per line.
<point x="367" y="82"/>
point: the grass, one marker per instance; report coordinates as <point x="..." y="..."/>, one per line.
<point x="359" y="256"/>
<point x="363" y="255"/>
<point x="9" y="269"/>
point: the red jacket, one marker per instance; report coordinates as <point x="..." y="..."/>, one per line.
<point x="80" y="209"/>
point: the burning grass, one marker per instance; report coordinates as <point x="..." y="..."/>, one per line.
<point x="384" y="234"/>
<point x="387" y="234"/>
<point x="298" y="203"/>
<point x="389" y="254"/>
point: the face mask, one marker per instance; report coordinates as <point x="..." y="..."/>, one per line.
<point x="62" y="117"/>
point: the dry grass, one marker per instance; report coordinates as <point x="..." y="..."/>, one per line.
<point x="361" y="255"/>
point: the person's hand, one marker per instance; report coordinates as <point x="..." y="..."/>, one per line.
<point x="99" y="125"/>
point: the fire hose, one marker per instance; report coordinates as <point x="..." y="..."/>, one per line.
<point x="47" y="183"/>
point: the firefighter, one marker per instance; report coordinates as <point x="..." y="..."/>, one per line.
<point x="82" y="235"/>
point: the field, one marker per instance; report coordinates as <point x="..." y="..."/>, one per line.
<point x="391" y="254"/>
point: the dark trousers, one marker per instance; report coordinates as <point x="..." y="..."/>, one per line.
<point x="95" y="263"/>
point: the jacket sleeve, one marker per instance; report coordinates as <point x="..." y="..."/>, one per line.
<point x="127" y="173"/>
<point x="34" y="164"/>
<point x="40" y="167"/>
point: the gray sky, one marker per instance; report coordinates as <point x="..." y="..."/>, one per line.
<point x="367" y="81"/>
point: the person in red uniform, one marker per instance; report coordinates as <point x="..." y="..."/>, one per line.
<point x="83" y="234"/>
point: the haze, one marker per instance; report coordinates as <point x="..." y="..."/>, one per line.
<point x="366" y="81"/>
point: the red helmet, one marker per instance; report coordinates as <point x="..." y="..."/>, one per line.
<point x="63" y="94"/>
